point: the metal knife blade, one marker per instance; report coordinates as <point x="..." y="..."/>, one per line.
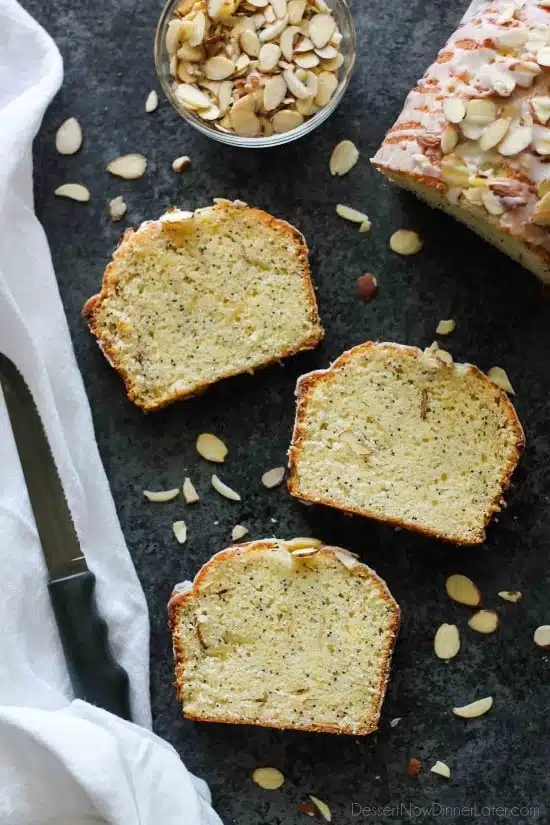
<point x="95" y="674"/>
<point x="51" y="512"/>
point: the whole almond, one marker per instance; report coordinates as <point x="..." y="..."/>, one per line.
<point x="367" y="287"/>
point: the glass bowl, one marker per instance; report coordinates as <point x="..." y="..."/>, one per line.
<point x="344" y="20"/>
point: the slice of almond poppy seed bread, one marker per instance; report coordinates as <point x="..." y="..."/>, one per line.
<point x="195" y="297"/>
<point x="406" y="437"/>
<point x="286" y="639"/>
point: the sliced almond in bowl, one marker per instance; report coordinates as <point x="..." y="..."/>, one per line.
<point x="211" y="448"/>
<point x="129" y="167"/>
<point x="474" y="709"/>
<point x="447" y="641"/>
<point x="462" y="589"/>
<point x="484" y="621"/>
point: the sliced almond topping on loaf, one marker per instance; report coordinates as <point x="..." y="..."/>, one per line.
<point x="440" y="441"/>
<point x="266" y="637"/>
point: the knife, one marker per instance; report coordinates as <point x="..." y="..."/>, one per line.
<point x="95" y="675"/>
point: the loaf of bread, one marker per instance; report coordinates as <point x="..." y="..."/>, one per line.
<point x="192" y="298"/>
<point x="284" y="635"/>
<point x="473" y="137"/>
<point x="405" y="437"/>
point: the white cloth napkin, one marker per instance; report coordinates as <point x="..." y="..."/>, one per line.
<point x="61" y="761"/>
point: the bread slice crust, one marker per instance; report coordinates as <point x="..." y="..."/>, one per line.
<point x="179" y="601"/>
<point x="133" y="240"/>
<point x="308" y="382"/>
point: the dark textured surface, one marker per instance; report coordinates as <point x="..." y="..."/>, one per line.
<point x="499" y="760"/>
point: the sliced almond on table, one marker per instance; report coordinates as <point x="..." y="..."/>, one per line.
<point x="152" y="101"/>
<point x="68" y="138"/>
<point x="306" y="61"/>
<point x="447" y="641"/>
<point x="223" y="489"/>
<point x="189" y="492"/>
<point x="117" y="208"/>
<point x="322" y="807"/>
<point x="238" y="532"/>
<point x="129" y="167"/>
<point x="270" y="779"/>
<point x="484" y="621"/>
<point x="441" y="769"/>
<point x="454" y="109"/>
<point x="73" y="191"/>
<point x="446" y="327"/>
<point x="350" y="214"/>
<point x="321" y="29"/>
<point x="181" y="163"/>
<point x="211" y="447"/>
<point x="513" y="596"/>
<point x="198" y="30"/>
<point x="499" y="377"/>
<point x="179" y="528"/>
<point x="462" y="589"/>
<point x="541" y="636"/>
<point x="286" y="120"/>
<point x="161" y="495"/>
<point x="474" y="709"/>
<point x="344" y="157"/>
<point x="405" y="242"/>
<point x="328" y="52"/>
<point x="274" y="477"/>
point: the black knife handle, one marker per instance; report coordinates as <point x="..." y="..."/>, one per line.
<point x="94" y="673"/>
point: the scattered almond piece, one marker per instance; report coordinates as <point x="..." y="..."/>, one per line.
<point x="541" y="636"/>
<point x="499" y="377"/>
<point x="414" y="767"/>
<point x="474" y="709"/>
<point x="152" y="101"/>
<point x="211" y="448"/>
<point x="405" y="242"/>
<point x="300" y="543"/>
<point x="180" y="531"/>
<point x="189" y="492"/>
<point x="510" y="595"/>
<point x="274" y="477"/>
<point x="447" y="641"/>
<point x="161" y="495"/>
<point x="117" y="208"/>
<point x="305" y="807"/>
<point x="305" y="552"/>
<point x="322" y="807"/>
<point x="181" y="164"/>
<point x="347" y="558"/>
<point x="462" y="589"/>
<point x="365" y="226"/>
<point x="238" y="532"/>
<point x="484" y="621"/>
<point x="73" y="191"/>
<point x="268" y="778"/>
<point x="344" y="157"/>
<point x="394" y="722"/>
<point x="446" y="327"/>
<point x="367" y="287"/>
<point x="223" y="489"/>
<point x="68" y="138"/>
<point x="441" y="769"/>
<point x="129" y="167"/>
<point x="350" y="214"/>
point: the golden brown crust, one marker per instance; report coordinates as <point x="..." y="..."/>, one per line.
<point x="305" y="383"/>
<point x="177" y="600"/>
<point x="124" y="249"/>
